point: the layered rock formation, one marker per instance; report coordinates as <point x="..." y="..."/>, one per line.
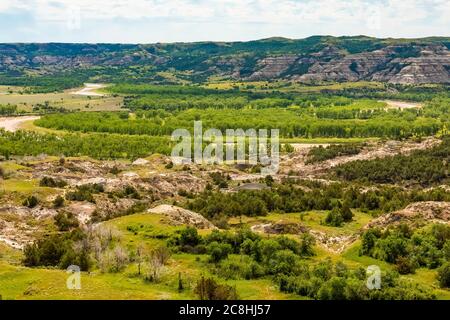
<point x="315" y="59"/>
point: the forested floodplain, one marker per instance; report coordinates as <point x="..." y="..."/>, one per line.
<point x="367" y="186"/>
<point x="359" y="119"/>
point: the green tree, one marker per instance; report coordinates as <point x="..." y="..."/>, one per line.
<point x="218" y="251"/>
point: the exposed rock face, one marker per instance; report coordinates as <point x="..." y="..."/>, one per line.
<point x="431" y="66"/>
<point x="273" y="67"/>
<point x="320" y="59"/>
<point x="180" y="216"/>
<point x="419" y="212"/>
<point x="349" y="68"/>
<point x="20" y="225"/>
<point x="423" y="70"/>
<point x="280" y="227"/>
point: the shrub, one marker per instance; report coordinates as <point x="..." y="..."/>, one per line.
<point x="444" y="275"/>
<point x="244" y="268"/>
<point x="269" y="180"/>
<point x="189" y="236"/>
<point x="218" y="251"/>
<point x="209" y="289"/>
<point x="85" y="192"/>
<point x="66" y="221"/>
<point x="346" y="213"/>
<point x="334" y="218"/>
<point x="333" y="289"/>
<point x="130" y="192"/>
<point x="52" y="182"/>
<point x="31" y="202"/>
<point x="58" y="202"/>
<point x="283" y="262"/>
<point x="155" y="264"/>
<point x="405" y="265"/>
<point x="169" y="165"/>
<point x="58" y="250"/>
<point x="113" y="260"/>
<point x="307" y="245"/>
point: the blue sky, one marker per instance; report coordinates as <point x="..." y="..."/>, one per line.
<point x="149" y="21"/>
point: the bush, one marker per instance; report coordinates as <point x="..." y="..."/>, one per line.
<point x="85" y="192"/>
<point x="334" y="218"/>
<point x="320" y="153"/>
<point x="405" y="265"/>
<point x="58" y="250"/>
<point x="283" y="262"/>
<point x="307" y="245"/>
<point x="66" y="221"/>
<point x="169" y="165"/>
<point x="444" y="275"/>
<point x="31" y="202"/>
<point x="189" y="237"/>
<point x="130" y="192"/>
<point x="58" y="202"/>
<point x="327" y="282"/>
<point x="244" y="268"/>
<point x="346" y="213"/>
<point x="209" y="289"/>
<point x="113" y="260"/>
<point x="218" y="251"/>
<point x="52" y="182"/>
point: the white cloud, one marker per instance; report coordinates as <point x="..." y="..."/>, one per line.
<point x="267" y="11"/>
<point x="236" y="19"/>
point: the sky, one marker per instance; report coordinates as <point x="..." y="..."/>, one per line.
<point x="151" y="21"/>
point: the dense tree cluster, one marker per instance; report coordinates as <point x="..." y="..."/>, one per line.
<point x="408" y="249"/>
<point x="58" y="250"/>
<point x="289" y="197"/>
<point x="320" y="153"/>
<point x="245" y="255"/>
<point x="292" y="122"/>
<point x="328" y="281"/>
<point x="99" y="146"/>
<point x="425" y="167"/>
<point x="259" y="256"/>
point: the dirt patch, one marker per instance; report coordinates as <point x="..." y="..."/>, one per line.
<point x="180" y="216"/>
<point x="251" y="187"/>
<point x="168" y="184"/>
<point x="415" y="213"/>
<point x="13" y="123"/>
<point x="19" y="225"/>
<point x="89" y="90"/>
<point x="280" y="227"/>
<point x="82" y="210"/>
<point x="336" y="244"/>
<point x="402" y="104"/>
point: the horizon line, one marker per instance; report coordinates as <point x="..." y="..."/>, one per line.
<point x="236" y="41"/>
